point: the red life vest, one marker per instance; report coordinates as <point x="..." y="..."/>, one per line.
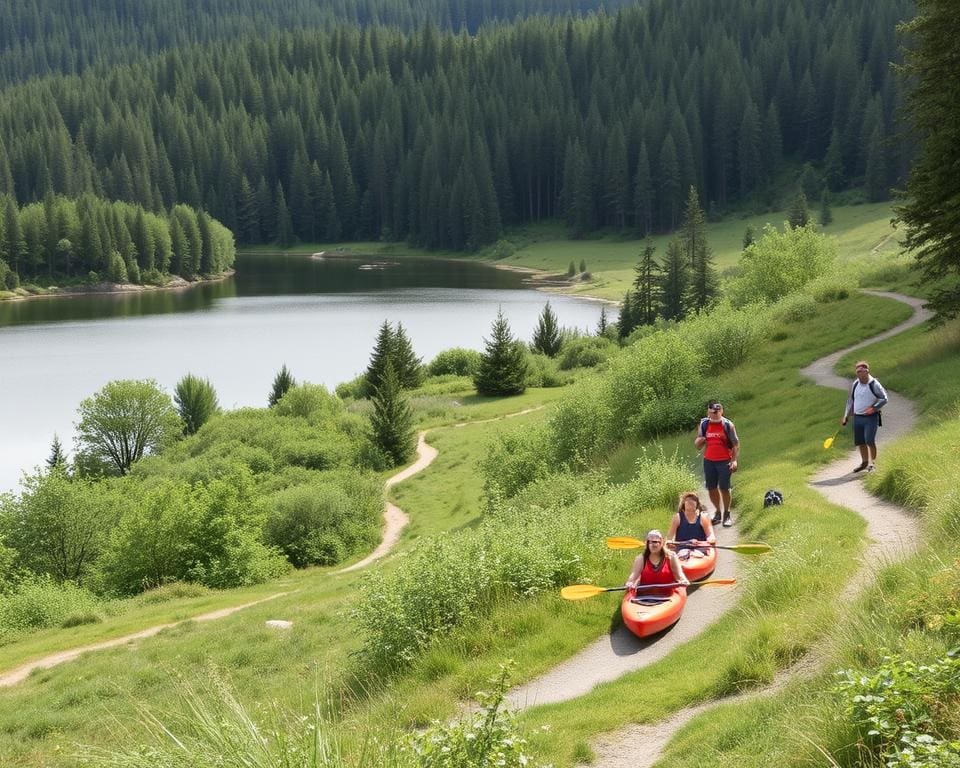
<point x="661" y="574"/>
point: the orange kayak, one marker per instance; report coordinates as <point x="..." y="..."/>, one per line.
<point x="696" y="568"/>
<point x="661" y="610"/>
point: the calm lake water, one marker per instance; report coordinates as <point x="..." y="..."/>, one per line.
<point x="319" y="317"/>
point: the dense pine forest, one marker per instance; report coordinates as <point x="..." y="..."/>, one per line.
<point x="39" y="37"/>
<point x="442" y="138"/>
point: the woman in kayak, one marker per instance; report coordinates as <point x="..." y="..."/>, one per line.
<point x="656" y="565"/>
<point x="690" y="527"/>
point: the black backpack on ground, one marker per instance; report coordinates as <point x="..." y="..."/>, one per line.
<point x="772" y="499"/>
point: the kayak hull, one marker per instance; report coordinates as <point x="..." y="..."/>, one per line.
<point x="696" y="568"/>
<point x="646" y="620"/>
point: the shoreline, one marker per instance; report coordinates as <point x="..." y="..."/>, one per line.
<point x="176" y="283"/>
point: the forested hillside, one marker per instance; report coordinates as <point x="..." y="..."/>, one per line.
<point x="442" y="139"/>
<point x="39" y="37"/>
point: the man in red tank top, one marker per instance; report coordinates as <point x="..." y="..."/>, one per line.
<point x="721" y="447"/>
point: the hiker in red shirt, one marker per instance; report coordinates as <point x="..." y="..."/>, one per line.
<point x="718" y="437"/>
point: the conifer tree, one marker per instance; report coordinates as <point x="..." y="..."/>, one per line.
<point x="503" y="363"/>
<point x="645" y="302"/>
<point x="58" y="457"/>
<point x="626" y="322"/>
<point x="196" y="402"/>
<point x="603" y="323"/>
<point x="676" y="282"/>
<point x="693" y="241"/>
<point x="546" y="336"/>
<point x="407" y="366"/>
<point x="826" y="214"/>
<point x="284" y="227"/>
<point x="930" y="211"/>
<point x="281" y="383"/>
<point x="748" y="237"/>
<point x="391" y="422"/>
<point x="383" y="349"/>
<point x="798" y="214"/>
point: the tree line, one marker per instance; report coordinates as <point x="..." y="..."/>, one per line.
<point x="443" y="139"/>
<point x="96" y="239"/>
<point x="41" y="37"/>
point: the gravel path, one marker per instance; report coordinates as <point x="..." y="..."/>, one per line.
<point x="891" y="531"/>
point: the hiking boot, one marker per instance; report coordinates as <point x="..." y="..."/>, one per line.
<point x="716" y="518"/>
<point x="727" y="520"/>
<point x="871" y="468"/>
<point x="861" y="467"/>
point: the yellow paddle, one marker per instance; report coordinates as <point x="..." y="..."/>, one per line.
<point x="583" y="591"/>
<point x="829" y="441"/>
<point x="628" y="542"/>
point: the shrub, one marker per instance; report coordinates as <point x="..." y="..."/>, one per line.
<point x="196" y="402"/>
<point x="794" y="308"/>
<point x="900" y="710"/>
<point x="457" y="361"/>
<point x="40" y="601"/>
<point x="780" y="263"/>
<point x="324" y="522"/>
<point x="515" y="459"/>
<point x="726" y="336"/>
<point x="312" y="402"/>
<point x="542" y="371"/>
<point x="355" y="388"/>
<point x="580" y="425"/>
<point x="586" y="352"/>
<point x="831" y="287"/>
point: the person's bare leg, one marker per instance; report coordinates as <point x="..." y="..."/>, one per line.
<point x="725" y="495"/>
<point x="715" y="500"/>
<point x="873" y="452"/>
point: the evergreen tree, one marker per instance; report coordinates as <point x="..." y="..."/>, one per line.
<point x="571" y="270"/>
<point x="626" y="322"/>
<point x="603" y="323"/>
<point x="196" y="402"/>
<point x="833" y="170"/>
<point x="876" y="174"/>
<point x="645" y="302"/>
<point x="748" y="237"/>
<point x="693" y="241"/>
<point x="284" y="227"/>
<point x="930" y="210"/>
<point x="503" y="363"/>
<point x="407" y="366"/>
<point x="58" y="457"/>
<point x="798" y="215"/>
<point x="826" y="214"/>
<point x="383" y="350"/>
<point x="643" y="193"/>
<point x="391" y="422"/>
<point x="676" y="282"/>
<point x="583" y="265"/>
<point x="546" y="336"/>
<point x="281" y="383"/>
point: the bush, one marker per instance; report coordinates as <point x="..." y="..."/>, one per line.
<point x="514" y="459"/>
<point x="780" y="263"/>
<point x="312" y="402"/>
<point x="580" y="425"/>
<point x="456" y="361"/>
<point x="830" y="287"/>
<point x="794" y="308"/>
<point x="355" y="388"/>
<point x="726" y="336"/>
<point x="586" y="352"/>
<point x="322" y="523"/>
<point x="542" y="371"/>
<point x="40" y="601"/>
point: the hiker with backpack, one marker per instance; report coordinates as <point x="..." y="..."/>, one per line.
<point x="721" y="447"/>
<point x="867" y="397"/>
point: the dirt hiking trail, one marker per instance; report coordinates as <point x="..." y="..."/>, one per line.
<point x="891" y="533"/>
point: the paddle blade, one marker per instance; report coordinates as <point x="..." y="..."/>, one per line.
<point x="580" y="591"/>
<point x="623" y="542"/>
<point x="751" y="549"/>
<point x="827" y="443"/>
<point x="714" y="583"/>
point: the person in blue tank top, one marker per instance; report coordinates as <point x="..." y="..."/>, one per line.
<point x="691" y="527"/>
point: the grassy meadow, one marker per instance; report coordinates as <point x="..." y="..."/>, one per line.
<point x="108" y="698"/>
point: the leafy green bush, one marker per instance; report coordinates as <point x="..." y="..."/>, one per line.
<point x="656" y="386"/>
<point x="726" y="336"/>
<point x="326" y="521"/>
<point x="580" y="425"/>
<point x="457" y="361"/>
<point x="486" y="738"/>
<point x="354" y="389"/>
<point x="311" y="402"/>
<point x="543" y="371"/>
<point x="794" y="308"/>
<point x="514" y="459"/>
<point x="834" y="286"/>
<point x="780" y="263"/>
<point x="450" y="581"/>
<point x="207" y="532"/>
<point x="40" y="601"/>
<point x="904" y="710"/>
<point x="586" y="352"/>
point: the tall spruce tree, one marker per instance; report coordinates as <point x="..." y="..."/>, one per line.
<point x="798" y="215"/>
<point x="693" y="241"/>
<point x="676" y="282"/>
<point x="826" y="213"/>
<point x="58" y="457"/>
<point x="645" y="303"/>
<point x="546" y="336"/>
<point x="382" y="352"/>
<point x="503" y="363"/>
<point x="281" y="384"/>
<point x="603" y="323"/>
<point x="391" y="422"/>
<point x="408" y="367"/>
<point x="930" y="210"/>
<point x="627" y="320"/>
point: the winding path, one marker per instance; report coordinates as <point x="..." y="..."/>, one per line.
<point x="890" y="530"/>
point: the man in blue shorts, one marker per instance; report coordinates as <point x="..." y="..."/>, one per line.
<point x="867" y="396"/>
<point x="721" y="447"/>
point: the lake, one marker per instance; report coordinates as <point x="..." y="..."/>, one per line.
<point x="320" y="317"/>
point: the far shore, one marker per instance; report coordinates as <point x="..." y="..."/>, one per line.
<point x="176" y="283"/>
